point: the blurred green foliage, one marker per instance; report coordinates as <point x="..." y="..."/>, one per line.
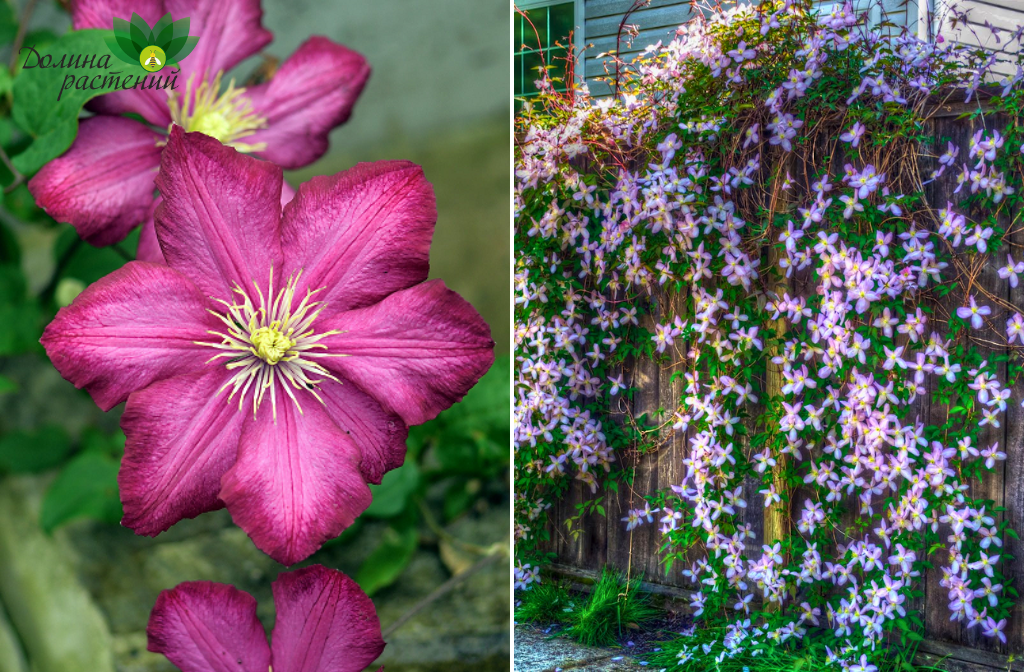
<point x="455" y="453"/>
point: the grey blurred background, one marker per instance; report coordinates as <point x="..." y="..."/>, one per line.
<point x="438" y="96"/>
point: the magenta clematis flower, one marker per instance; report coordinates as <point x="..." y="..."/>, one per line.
<point x="103" y="185"/>
<point x="325" y="622"/>
<point x="273" y="365"/>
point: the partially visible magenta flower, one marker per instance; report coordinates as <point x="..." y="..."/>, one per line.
<point x="324" y="623"/>
<point x="103" y="184"/>
<point x="273" y="365"/>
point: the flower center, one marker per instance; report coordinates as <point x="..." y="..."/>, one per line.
<point x="227" y="116"/>
<point x="270" y="340"/>
<point x="271" y="345"/>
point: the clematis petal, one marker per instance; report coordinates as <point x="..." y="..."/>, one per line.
<point x="101" y="13"/>
<point x="220" y="218"/>
<point x="229" y="31"/>
<point x="128" y="330"/>
<point x="149" y="245"/>
<point x="379" y="434"/>
<point x="417" y="352"/>
<point x="182" y="436"/>
<point x="325" y="623"/>
<point x="287" y="193"/>
<point x="208" y="627"/>
<point x="150" y="104"/>
<point x="296" y="482"/>
<point x="361" y="234"/>
<point x="103" y="185"/>
<point x="312" y="92"/>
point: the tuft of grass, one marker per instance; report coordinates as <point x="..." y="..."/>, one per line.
<point x="615" y="605"/>
<point x="544" y="603"/>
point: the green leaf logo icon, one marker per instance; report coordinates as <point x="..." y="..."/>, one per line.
<point x="166" y="43"/>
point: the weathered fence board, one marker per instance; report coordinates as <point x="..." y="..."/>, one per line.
<point x="604" y="540"/>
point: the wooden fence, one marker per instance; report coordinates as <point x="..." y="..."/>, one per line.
<point x="603" y="540"/>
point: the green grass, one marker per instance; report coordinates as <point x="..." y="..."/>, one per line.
<point x="614" y="605"/>
<point x="545" y="603"/>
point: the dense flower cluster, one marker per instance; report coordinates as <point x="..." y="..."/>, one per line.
<point x="752" y="209"/>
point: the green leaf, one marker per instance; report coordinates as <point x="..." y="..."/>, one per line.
<point x="53" y="124"/>
<point x="34" y="451"/>
<point x="95" y="441"/>
<point x="7" y="385"/>
<point x="118" y="47"/>
<point x="39" y="39"/>
<point x="8" y="23"/>
<point x="350" y="533"/>
<point x="6" y="81"/>
<point x="459" y="496"/>
<point x="390" y="497"/>
<point x="87" y="263"/>
<point x="20" y="314"/>
<point x="472" y="436"/>
<point x="387" y="561"/>
<point x="85" y="488"/>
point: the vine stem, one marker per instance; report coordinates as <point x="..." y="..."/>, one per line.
<point x="445" y="535"/>
<point x="65" y="258"/>
<point x="18" y="177"/>
<point x="19" y="38"/>
<point x="444" y="589"/>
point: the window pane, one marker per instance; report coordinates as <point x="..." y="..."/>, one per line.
<point x="539" y="17"/>
<point x="531" y="72"/>
<point x="517" y="83"/>
<point x="557" y="58"/>
<point x="563" y="17"/>
<point x="517" y="39"/>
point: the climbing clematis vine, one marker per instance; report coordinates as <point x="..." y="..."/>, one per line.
<point x="103" y="185"/>
<point x="273" y="364"/>
<point x="325" y="623"/>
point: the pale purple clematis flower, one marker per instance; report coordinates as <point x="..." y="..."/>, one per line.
<point x="324" y="622"/>
<point x="974" y="312"/>
<point x="103" y="184"/>
<point x="1011" y="270"/>
<point x="994" y="629"/>
<point x="1015" y="328"/>
<point x="273" y="365"/>
<point x="863" y="665"/>
<point x="854" y="135"/>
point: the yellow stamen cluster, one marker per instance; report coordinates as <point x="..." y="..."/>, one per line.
<point x="271" y="345"/>
<point x="227" y="116"/>
<point x="272" y="342"/>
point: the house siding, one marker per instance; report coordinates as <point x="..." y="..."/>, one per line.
<point x="659" y="20"/>
<point x="1002" y="15"/>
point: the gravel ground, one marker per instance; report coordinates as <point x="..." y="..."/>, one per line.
<point x="538" y="650"/>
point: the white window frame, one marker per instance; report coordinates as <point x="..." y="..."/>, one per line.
<point x="579" y="22"/>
